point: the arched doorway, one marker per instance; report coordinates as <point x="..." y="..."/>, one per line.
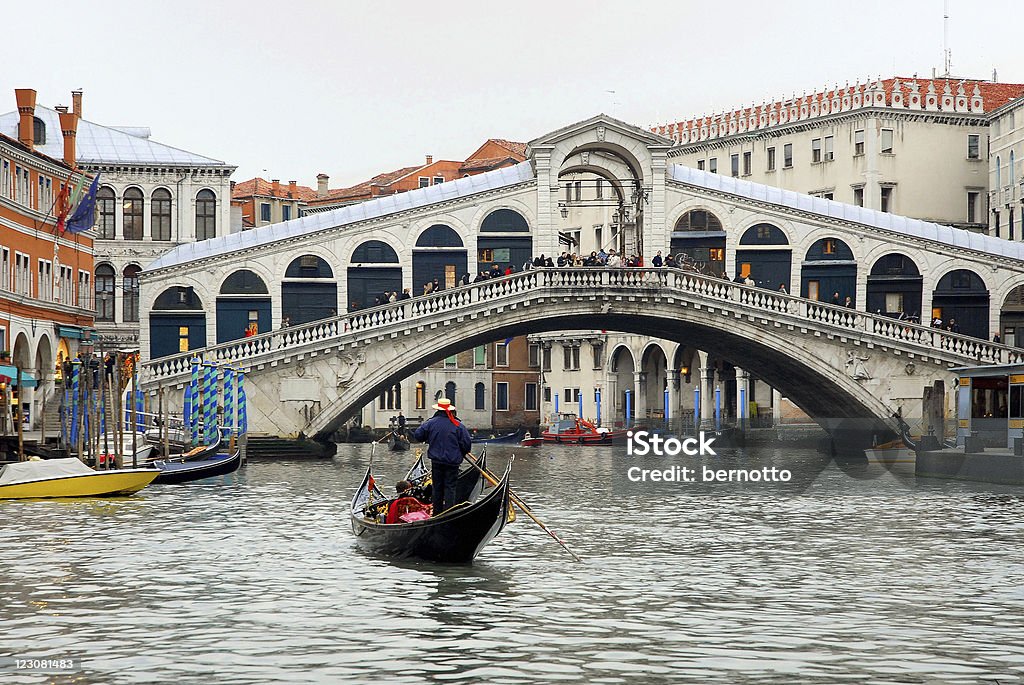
<point x="1011" y="318"/>
<point x="698" y="239"/>
<point x="44" y="371"/>
<point x="504" y="240"/>
<point x="440" y="254"/>
<point x="765" y="256"/>
<point x="22" y="397"/>
<point x="623" y="370"/>
<point x="653" y="384"/>
<point x="961" y="299"/>
<point x="685" y="378"/>
<point x="308" y="292"/>
<point x="63" y="355"/>
<point x="829" y="272"/>
<point x="177" y="322"/>
<point x="895" y="286"/>
<point x="373" y="270"/>
<point x="243" y="306"/>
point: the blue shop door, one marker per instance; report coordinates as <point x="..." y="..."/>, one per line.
<point x="826" y="279"/>
<point x="305" y="302"/>
<point x="447" y="266"/>
<point x="174" y="333"/>
<point x="235" y="314"/>
<point x="366" y="285"/>
<point x="768" y="268"/>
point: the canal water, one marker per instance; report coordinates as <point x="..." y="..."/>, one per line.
<point x="847" y="573"/>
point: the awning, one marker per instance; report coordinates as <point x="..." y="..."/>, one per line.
<point x="69" y="332"/>
<point x="9" y="374"/>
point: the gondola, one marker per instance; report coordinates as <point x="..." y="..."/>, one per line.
<point x="455" y="536"/>
<point x="397" y="442"/>
<point x="504" y="439"/>
<point x="181" y="471"/>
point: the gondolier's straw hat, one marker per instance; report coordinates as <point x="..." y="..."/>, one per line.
<point x="444" y="404"/>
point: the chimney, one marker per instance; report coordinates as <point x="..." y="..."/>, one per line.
<point x="293" y="190"/>
<point x="68" y="129"/>
<point x="321" y="184"/>
<point x="26" y="98"/>
<point x="76" y="102"/>
<point x="430" y="159"/>
<point x="275" y="186"/>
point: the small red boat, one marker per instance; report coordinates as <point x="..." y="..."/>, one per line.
<point x="569" y="429"/>
<point x="529" y="441"/>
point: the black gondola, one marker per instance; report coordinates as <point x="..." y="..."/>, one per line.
<point x="185" y="471"/>
<point x="504" y="439"/>
<point x="456" y="536"/>
<point x="398" y="442"/>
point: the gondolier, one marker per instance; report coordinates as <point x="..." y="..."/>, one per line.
<point x="448" y="442"/>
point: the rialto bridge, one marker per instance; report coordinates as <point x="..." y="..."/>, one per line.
<point x="340" y="349"/>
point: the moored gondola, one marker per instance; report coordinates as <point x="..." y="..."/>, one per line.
<point x="398" y="442"/>
<point x="185" y="471"/>
<point x="455" y="536"/>
<point x="504" y="439"/>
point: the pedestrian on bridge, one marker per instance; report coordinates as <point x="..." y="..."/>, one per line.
<point x="449" y="442"/>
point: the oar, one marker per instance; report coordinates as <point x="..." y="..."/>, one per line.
<point x="521" y="504"/>
<point x="386" y="436"/>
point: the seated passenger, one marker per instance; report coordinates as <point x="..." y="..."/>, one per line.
<point x="407" y="501"/>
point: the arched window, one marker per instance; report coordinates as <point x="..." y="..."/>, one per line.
<point x="38" y="131"/>
<point x="131" y="293"/>
<point x="504" y="221"/>
<point x="309" y="266"/>
<point x="421" y="395"/>
<point x="439" y="235"/>
<point x="478" y="396"/>
<point x="698" y="220"/>
<point x="105" y="276"/>
<point x="243" y="282"/>
<point x="160" y="210"/>
<point x="105" y="221"/>
<point x="449" y="392"/>
<point x="374" y="251"/>
<point x="206" y="215"/>
<point x="132" y="211"/>
<point x="391" y="398"/>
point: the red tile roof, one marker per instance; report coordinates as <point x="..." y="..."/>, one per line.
<point x="263" y="187"/>
<point x="992" y="96"/>
<point x="361" y="190"/>
<point x="512" y="146"/>
<point x="487" y="163"/>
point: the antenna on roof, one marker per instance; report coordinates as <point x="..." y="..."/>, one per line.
<point x="947" y="55"/>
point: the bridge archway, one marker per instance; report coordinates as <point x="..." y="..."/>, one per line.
<point x="1011" y="317"/>
<point x="308" y="291"/>
<point x="243" y="306"/>
<point x="177" y="322"/>
<point x="962" y="296"/>
<point x="766" y="255"/>
<point x="829" y="272"/>
<point x="895" y="286"/>
<point x="439" y="253"/>
<point x="685" y="378"/>
<point x="700" y="235"/>
<point x="623" y="395"/>
<point x="373" y="270"/>
<point x="653" y="382"/>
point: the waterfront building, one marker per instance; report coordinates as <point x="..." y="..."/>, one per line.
<point x="153" y="197"/>
<point x="263" y="202"/>
<point x="46" y="274"/>
<point x="906" y="145"/>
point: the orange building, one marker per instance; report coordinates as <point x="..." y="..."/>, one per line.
<point x="265" y="202"/>
<point x="493" y="154"/>
<point x="46" y="279"/>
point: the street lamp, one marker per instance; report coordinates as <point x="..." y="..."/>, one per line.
<point x="563" y="208"/>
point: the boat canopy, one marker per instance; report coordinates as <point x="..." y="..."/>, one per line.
<point x="41" y="469"/>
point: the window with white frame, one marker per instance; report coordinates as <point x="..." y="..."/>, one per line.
<point x="22" y="274"/>
<point x="830" y="153"/>
<point x="6" y="185"/>
<point x="973" y="146"/>
<point x="501" y="396"/>
<point x="816" y="150"/>
<point x="66" y="284"/>
<point x="534" y="354"/>
<point x="5" y="268"/>
<point x="23" y="192"/>
<point x="45" y="279"/>
<point x="500" y="354"/>
<point x="858" y="142"/>
<point x="85" y="293"/>
<point x="424" y="181"/>
<point x="570" y="358"/>
<point x="886" y="144"/>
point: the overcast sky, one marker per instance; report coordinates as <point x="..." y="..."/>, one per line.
<point x="290" y="89"/>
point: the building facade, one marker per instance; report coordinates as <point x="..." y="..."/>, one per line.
<point x="915" y="147"/>
<point x="46" y="276"/>
<point x="152" y="197"/>
<point x="263" y="202"/>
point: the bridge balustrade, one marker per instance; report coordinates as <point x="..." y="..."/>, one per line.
<point x="574" y="279"/>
